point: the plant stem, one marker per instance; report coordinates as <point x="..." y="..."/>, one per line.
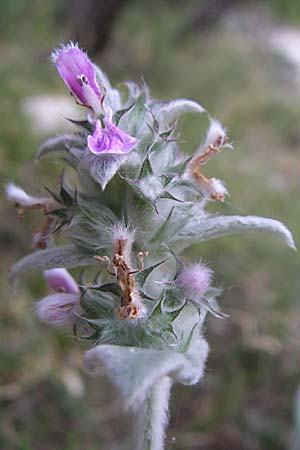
<point x="152" y="416"/>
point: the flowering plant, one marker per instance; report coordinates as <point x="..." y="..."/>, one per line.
<point x="138" y="202"/>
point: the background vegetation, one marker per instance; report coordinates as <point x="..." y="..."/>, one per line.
<point x="248" y="400"/>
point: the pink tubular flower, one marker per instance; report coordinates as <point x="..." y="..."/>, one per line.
<point x="110" y="139"/>
<point x="58" y="309"/>
<point x="79" y="75"/>
<point x="195" y="280"/>
<point x="60" y="280"/>
<point x="61" y="308"/>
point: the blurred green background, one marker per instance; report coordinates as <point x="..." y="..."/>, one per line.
<point x="241" y="61"/>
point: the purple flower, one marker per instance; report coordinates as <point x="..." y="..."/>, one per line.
<point x="110" y="139"/>
<point x="61" y="308"/>
<point x="58" y="309"/>
<point x="79" y="75"/>
<point x="195" y="280"/>
<point x="60" y="280"/>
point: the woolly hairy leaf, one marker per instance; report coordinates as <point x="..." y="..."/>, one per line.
<point x="132" y="122"/>
<point x="184" y="323"/>
<point x="163" y="229"/>
<point x="120" y="113"/>
<point x="59" y="144"/>
<point x="172" y="110"/>
<point x="67" y="256"/>
<point x="112" y="97"/>
<point x="113" y="288"/>
<point x="170" y="196"/>
<point x="166" y="179"/>
<point x="97" y="305"/>
<point x="104" y="167"/>
<point x="66" y="197"/>
<point x="187" y="329"/>
<point x="214" y="227"/>
<point x="142" y="198"/>
<point x="82" y="123"/>
<point x="172" y="300"/>
<point x="142" y="276"/>
<point x="146" y="168"/>
<point x="180" y="167"/>
<point x="133" y="370"/>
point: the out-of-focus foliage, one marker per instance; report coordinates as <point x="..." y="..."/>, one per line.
<point x="246" y="401"/>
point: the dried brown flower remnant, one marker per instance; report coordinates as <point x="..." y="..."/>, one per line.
<point x="216" y="140"/>
<point x="131" y="306"/>
<point x="24" y="202"/>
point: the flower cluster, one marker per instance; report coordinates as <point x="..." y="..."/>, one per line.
<point x="136" y="204"/>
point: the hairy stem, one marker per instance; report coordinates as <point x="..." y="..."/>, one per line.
<point x="152" y="416"/>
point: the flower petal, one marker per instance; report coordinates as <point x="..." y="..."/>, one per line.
<point x="78" y="73"/>
<point x="58" y="309"/>
<point x="60" y="280"/>
<point x="110" y="139"/>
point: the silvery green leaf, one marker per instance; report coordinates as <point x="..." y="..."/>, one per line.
<point x="133" y="121"/>
<point x="112" y="97"/>
<point x="113" y="288"/>
<point x="165" y="179"/>
<point x="142" y="276"/>
<point x="118" y="114"/>
<point x="133" y="370"/>
<point x="211" y="305"/>
<point x="103" y="167"/>
<point x="184" y="323"/>
<point x="59" y="144"/>
<point x="146" y="168"/>
<point x="161" y="232"/>
<point x="170" y="229"/>
<point x="94" y="215"/>
<point x="172" y="110"/>
<point x="163" y="156"/>
<point x="134" y="91"/>
<point x="187" y="328"/>
<point x="180" y="167"/>
<point x="67" y="256"/>
<point x="213" y="227"/>
<point x="82" y="123"/>
<point x="172" y="300"/>
<point x="97" y="304"/>
<point x="94" y="222"/>
<point x="152" y="417"/>
<point x="139" y="194"/>
<point x="170" y="196"/>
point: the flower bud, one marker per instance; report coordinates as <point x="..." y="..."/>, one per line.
<point x="195" y="280"/>
<point x="79" y="75"/>
<point x="60" y="280"/>
<point x="58" y="309"/>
